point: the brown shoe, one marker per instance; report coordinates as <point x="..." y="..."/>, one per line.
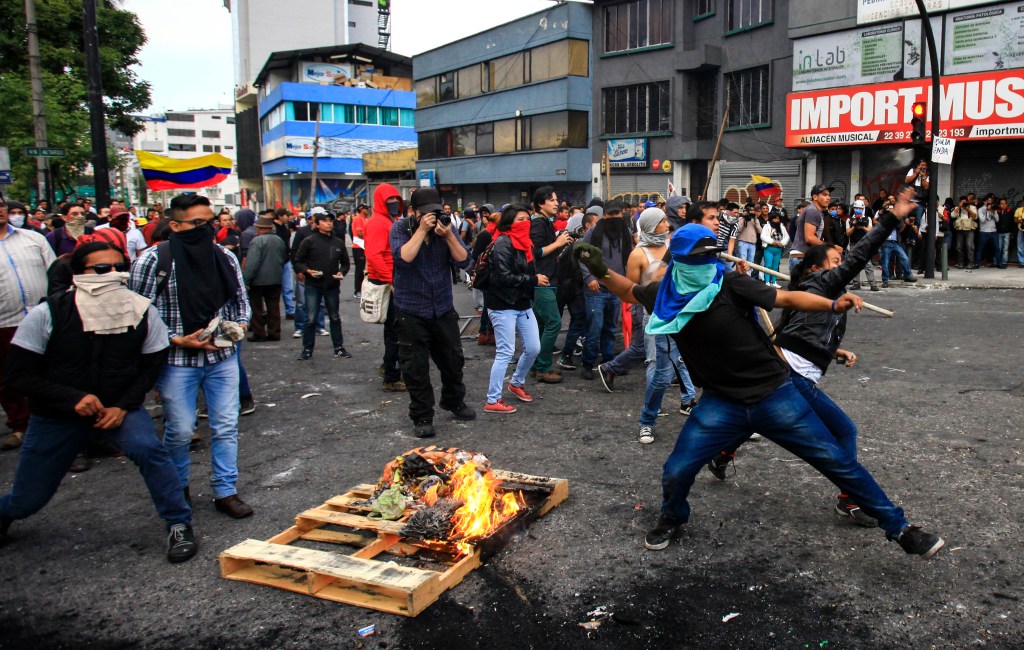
<point x="233" y="506"/>
<point x="549" y="377"/>
<point x="490" y="339"/>
<point x="394" y="386"/>
<point x="11" y="440"/>
<point x="481" y="338"/>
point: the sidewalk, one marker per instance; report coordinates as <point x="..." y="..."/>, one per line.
<point x="1011" y="277"/>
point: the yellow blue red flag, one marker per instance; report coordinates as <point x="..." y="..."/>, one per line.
<point x="765" y="186"/>
<point x="163" y="173"/>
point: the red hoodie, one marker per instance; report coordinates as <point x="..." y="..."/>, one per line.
<point x="379" y="264"/>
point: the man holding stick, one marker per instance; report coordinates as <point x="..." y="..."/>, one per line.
<point x="748" y="388"/>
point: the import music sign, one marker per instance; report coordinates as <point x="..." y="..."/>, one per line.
<point x="982" y="106"/>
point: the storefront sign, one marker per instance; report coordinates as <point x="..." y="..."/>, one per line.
<point x="627" y="153"/>
<point x="856" y="56"/>
<point x="875" y="11"/>
<point x="314" y="73"/>
<point x="985" y="39"/>
<point x="984" y="106"/>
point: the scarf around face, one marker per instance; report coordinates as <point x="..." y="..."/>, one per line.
<point x="519" y="234"/>
<point x="75" y="227"/>
<point x="204" y="277"/>
<point x="685" y="291"/>
<point x="616" y="230"/>
<point x="105" y="303"/>
<point x="645" y="227"/>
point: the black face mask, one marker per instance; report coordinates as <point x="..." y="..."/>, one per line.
<point x="394" y="209"/>
<point x="194" y="236"/>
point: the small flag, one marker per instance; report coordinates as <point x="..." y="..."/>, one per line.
<point x="163" y="173"/>
<point x="765" y="186"/>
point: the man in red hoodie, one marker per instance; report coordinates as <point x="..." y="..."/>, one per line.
<point x="387" y="207"/>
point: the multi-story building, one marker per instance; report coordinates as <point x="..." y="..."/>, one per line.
<point x="505" y="111"/>
<point x="326" y="107"/>
<point x="187" y="134"/>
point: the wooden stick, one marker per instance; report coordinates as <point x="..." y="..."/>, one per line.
<point x="783" y="276"/>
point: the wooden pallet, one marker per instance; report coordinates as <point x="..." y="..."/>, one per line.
<point x="360" y="578"/>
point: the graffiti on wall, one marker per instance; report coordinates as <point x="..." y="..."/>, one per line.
<point x="741" y="194"/>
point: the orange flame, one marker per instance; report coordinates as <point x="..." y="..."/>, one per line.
<point x="483" y="511"/>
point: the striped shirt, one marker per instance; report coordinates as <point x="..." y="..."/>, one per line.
<point x="24" y="257"/>
<point x="144" y="282"/>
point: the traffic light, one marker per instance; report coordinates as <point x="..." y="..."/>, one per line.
<point x="917" y="123"/>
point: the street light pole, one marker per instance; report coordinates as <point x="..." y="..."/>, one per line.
<point x="97" y="124"/>
<point x="38" y="105"/>
<point x="934" y="103"/>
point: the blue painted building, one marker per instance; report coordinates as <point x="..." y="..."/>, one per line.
<point x="351" y="99"/>
<point x="505" y="111"/>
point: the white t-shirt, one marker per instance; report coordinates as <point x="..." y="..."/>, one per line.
<point x="802" y="366"/>
<point x="34" y="332"/>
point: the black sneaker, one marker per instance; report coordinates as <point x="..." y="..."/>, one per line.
<point x="885" y="284"/>
<point x="306" y="355"/>
<point x="342" y="352"/>
<point x="181" y="543"/>
<point x="565" y="363"/>
<point x="587" y="372"/>
<point x="464" y="412"/>
<point x="917" y="542"/>
<point x="607" y="378"/>
<point x="658" y="538"/>
<point x="687" y="407"/>
<point x="424" y="430"/>
<point x="248" y="405"/>
<point x="910" y="279"/>
<point x="718" y="465"/>
<point x="851" y="512"/>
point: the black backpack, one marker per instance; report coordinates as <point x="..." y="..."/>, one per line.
<point x="482" y="269"/>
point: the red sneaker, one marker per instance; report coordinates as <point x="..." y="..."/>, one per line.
<point x="520" y="392"/>
<point x="500" y="407"/>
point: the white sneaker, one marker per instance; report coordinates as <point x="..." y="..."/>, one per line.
<point x="297" y="335"/>
<point x="323" y="333"/>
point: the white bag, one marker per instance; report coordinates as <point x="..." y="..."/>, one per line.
<point x="373" y="305"/>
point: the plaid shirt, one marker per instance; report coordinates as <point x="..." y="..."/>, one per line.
<point x="144" y="282"/>
<point x="424" y="287"/>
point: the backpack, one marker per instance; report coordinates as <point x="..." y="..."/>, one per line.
<point x="482" y="270"/>
<point x="570" y="278"/>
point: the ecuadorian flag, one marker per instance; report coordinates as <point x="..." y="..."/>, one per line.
<point x="162" y="173"/>
<point x="765" y="186"/>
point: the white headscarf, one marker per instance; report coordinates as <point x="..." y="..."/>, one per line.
<point x="105" y="303"/>
<point x="645" y="226"/>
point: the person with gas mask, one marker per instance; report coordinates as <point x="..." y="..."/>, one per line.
<point x="17" y="216"/>
<point x="425" y="249"/>
<point x="86" y="359"/>
<point x="388" y="207"/>
<point x="198" y="289"/>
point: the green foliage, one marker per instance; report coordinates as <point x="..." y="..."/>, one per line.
<point x="62" y="56"/>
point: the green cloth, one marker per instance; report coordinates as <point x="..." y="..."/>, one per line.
<point x="545" y="307"/>
<point x="389" y="505"/>
<point x="698" y="279"/>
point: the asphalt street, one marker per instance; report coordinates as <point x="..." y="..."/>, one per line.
<point x="937" y="395"/>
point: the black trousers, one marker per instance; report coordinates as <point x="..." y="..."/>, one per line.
<point x="392" y="368"/>
<point x="421" y="340"/>
<point x="359" y="258"/>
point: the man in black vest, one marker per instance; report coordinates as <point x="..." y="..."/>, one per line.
<point x="86" y="359"/>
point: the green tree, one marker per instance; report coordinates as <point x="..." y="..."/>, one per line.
<point x="61" y="48"/>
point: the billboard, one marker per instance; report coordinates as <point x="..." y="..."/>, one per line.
<point x="857" y="56"/>
<point x="631" y="152"/>
<point x="314" y="73"/>
<point x="875" y="11"/>
<point x="985" y="39"/>
<point x="982" y="106"/>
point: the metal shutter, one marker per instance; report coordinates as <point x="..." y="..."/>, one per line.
<point x="977" y="169"/>
<point x="737" y="185"/>
<point x="835" y="172"/>
<point x="636" y="189"/>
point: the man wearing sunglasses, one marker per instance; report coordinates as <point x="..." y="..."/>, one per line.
<point x="204" y="281"/>
<point x="86" y="359"/>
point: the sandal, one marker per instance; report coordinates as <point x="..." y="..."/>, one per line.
<point x="646" y="435"/>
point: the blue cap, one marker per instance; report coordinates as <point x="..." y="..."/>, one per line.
<point x="694" y="244"/>
<point x="650" y="204"/>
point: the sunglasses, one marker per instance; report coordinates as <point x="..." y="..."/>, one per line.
<point x="196" y="223"/>
<point x="101" y="269"/>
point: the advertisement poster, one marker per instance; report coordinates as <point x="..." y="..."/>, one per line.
<point x="991" y="38"/>
<point x="314" y="73"/>
<point x="875" y="11"/>
<point x="852" y="57"/>
<point x="630" y="152"/>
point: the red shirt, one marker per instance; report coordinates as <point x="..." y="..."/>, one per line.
<point x="358" y="229"/>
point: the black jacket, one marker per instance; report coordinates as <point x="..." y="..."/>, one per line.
<point x="817" y="335"/>
<point x="542" y="233"/>
<point x="324" y="253"/>
<point x="512" y="278"/>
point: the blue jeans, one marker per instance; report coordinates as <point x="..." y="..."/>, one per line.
<point x="635" y="354"/>
<point x="838" y="422"/>
<point x="602" y="310"/>
<point x="300" y="309"/>
<point x="745" y="250"/>
<point x="178" y="386"/>
<point x="663" y="362"/>
<point x="244" y="390"/>
<point x="506" y="322"/>
<point x="51" y="444"/>
<point x="772" y="259"/>
<point x="288" y="288"/>
<point x="1020" y="248"/>
<point x="1002" y="248"/>
<point x="785" y="418"/>
<point x="577" y="324"/>
<point x="890" y="248"/>
<point x="331" y="299"/>
<point x="984" y="239"/>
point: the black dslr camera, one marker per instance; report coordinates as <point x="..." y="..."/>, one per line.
<point x="443" y="217"/>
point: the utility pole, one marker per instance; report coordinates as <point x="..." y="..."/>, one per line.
<point x="38" y="106"/>
<point x="934" y="103"/>
<point x="316" y="150"/>
<point x="607" y="174"/>
<point x="97" y="124"/>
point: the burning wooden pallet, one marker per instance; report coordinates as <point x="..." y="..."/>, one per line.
<point x="361" y="579"/>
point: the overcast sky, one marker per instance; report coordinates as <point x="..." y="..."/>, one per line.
<point x="188" y="57"/>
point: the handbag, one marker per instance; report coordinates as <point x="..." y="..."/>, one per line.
<point x="373" y="305"/>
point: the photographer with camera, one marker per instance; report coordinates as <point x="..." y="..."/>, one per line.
<point x="857" y="226"/>
<point x="965" y="222"/>
<point x="919" y="178"/>
<point x="426" y="249"/>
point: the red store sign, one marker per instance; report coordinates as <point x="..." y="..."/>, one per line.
<point x="983" y="106"/>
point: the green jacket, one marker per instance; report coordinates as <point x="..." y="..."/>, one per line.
<point x="265" y="260"/>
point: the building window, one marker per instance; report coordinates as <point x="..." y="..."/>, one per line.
<point x="405" y="117"/>
<point x="748" y="96"/>
<point x="180" y="117"/>
<point x="485" y="138"/>
<point x="643" y="108"/>
<point x="181" y="147"/>
<point x="181" y="133"/>
<point x="228" y="147"/>
<point x="213" y="135"/>
<point x="561" y="130"/>
<point x="426" y="92"/>
<point x="446" y="87"/>
<point x="703" y="8"/>
<point x="434" y="144"/>
<point x="744" y="14"/>
<point x="230" y="119"/>
<point x="505" y="136"/>
<point x="471" y="80"/>
<point x="464" y="140"/>
<point x="216" y="117"/>
<point x="636" y="24"/>
<point x="507" y="72"/>
<point x="211" y="148"/>
<point x="557" y="130"/>
<point x="389" y="116"/>
<point x="706" y="94"/>
<point x="367" y="115"/>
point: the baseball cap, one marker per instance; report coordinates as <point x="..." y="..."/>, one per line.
<point x="650" y="204"/>
<point x="859" y="203"/>
<point x="596" y="209"/>
<point x="425" y="199"/>
<point x="694" y="241"/>
<point x="614" y="205"/>
<point x="820" y="187"/>
<point x="318" y="210"/>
